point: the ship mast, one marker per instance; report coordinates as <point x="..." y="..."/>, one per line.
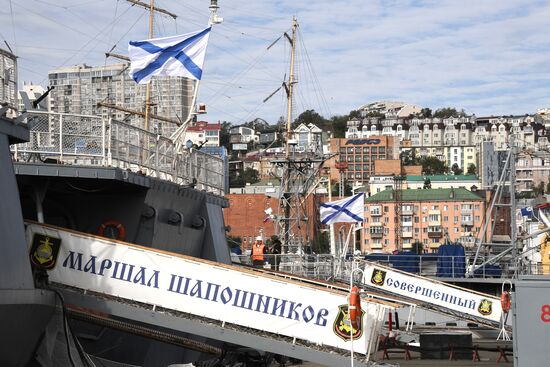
<point x="290" y="86"/>
<point x="287" y="201"/>
<point x="152" y="10"/>
<point x="300" y="171"/>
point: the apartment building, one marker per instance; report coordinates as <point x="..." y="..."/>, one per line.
<point x="243" y="134"/>
<point x="531" y="170"/>
<point x="359" y="156"/>
<point x="308" y="138"/>
<point x="390" y="109"/>
<point x="204" y="134"/>
<point x="459" y="131"/>
<point x="78" y="90"/>
<point x="427" y="216"/>
<point x="380" y="183"/>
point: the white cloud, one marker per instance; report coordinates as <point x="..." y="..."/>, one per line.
<point x="488" y="57"/>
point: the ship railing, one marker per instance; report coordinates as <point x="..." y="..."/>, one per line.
<point x="96" y="141"/>
<point x="323" y="266"/>
<point x="315" y="266"/>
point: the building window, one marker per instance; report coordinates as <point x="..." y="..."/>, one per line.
<point x="445" y="207"/>
<point x="445" y="219"/>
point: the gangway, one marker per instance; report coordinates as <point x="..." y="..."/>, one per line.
<point x="144" y="286"/>
<point x="433" y="295"/>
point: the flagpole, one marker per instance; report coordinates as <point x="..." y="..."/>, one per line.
<point x="331" y="226"/>
<point x="148" y="86"/>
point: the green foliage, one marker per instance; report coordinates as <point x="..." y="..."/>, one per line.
<point x="408" y="157"/>
<point x="234" y="241"/>
<point x="243" y="177"/>
<point x="456" y="170"/>
<point x="336" y="189"/>
<point x="539" y="189"/>
<point x="425" y="113"/>
<point x="224" y="135"/>
<point x="472" y="169"/>
<point x="432" y="166"/>
<point x="427" y="184"/>
<point x="447" y="112"/>
<point x="320" y="243"/>
<point x="374" y="114"/>
<point x="417" y="247"/>
<point x="337" y="125"/>
<point x="310" y="117"/>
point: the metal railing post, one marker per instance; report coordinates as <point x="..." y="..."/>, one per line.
<point x="109" y="141"/>
<point x="61" y="137"/>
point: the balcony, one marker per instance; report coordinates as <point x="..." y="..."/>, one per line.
<point x="376" y="234"/>
<point x="467" y="222"/>
<point x="466" y="211"/>
<point x="407" y="211"/>
<point x="435" y="233"/>
<point x="407" y="235"/>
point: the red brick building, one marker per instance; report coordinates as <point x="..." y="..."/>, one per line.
<point x="247" y="218"/>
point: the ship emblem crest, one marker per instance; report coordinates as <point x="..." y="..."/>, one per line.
<point x="485" y="307"/>
<point x="44" y="251"/>
<point x="342" y="325"/>
<point x="378" y="277"/>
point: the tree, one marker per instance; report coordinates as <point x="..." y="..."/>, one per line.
<point x="427" y="183"/>
<point x="250" y="175"/>
<point x="456" y="170"/>
<point x="374" y="114"/>
<point x="425" y="113"/>
<point x="320" y="243"/>
<point x="242" y="177"/>
<point x="355" y="113"/>
<point x="338" y="125"/>
<point x="539" y="189"/>
<point x="472" y="169"/>
<point x="417" y="247"/>
<point x="548" y="185"/>
<point x="447" y="112"/>
<point x="409" y="158"/>
<point x="336" y="189"/>
<point x="310" y="117"/>
<point x="224" y="135"/>
<point x="432" y="166"/>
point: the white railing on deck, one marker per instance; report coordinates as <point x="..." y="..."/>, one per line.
<point x="326" y="267"/>
<point x="95" y="141"/>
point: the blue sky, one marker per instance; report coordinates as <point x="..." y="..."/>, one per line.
<point x="487" y="57"/>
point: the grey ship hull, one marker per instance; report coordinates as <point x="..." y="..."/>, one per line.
<point x="155" y="213"/>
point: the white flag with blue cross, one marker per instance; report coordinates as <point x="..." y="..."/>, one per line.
<point x="350" y="209"/>
<point x="181" y="55"/>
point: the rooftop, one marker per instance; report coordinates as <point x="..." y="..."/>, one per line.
<point x="444" y="178"/>
<point x="458" y="194"/>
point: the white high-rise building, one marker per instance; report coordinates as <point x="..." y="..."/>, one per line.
<point x="78" y="89"/>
